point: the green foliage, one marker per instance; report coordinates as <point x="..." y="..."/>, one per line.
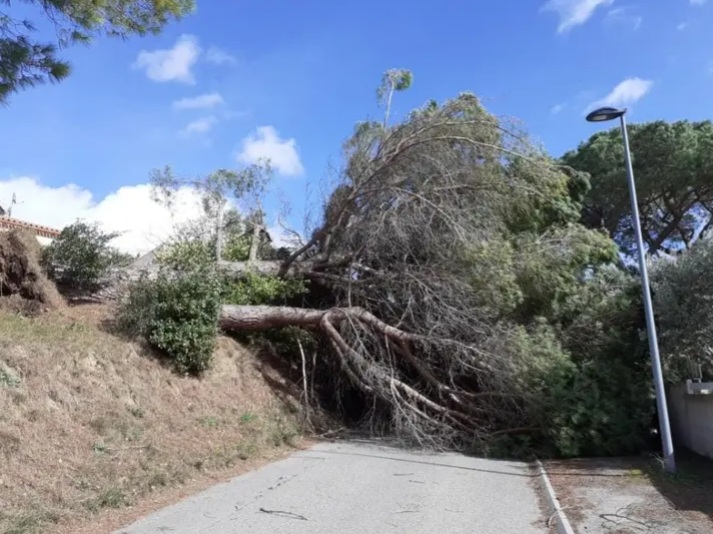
<point x="494" y="279"/>
<point x="579" y="357"/>
<point x="249" y="289"/>
<point x="673" y="167"/>
<point x="236" y="247"/>
<point x="187" y="256"/>
<point x="253" y="289"/>
<point x="550" y="266"/>
<point x="178" y="314"/>
<point x="392" y="81"/>
<point x="81" y="257"/>
<point x="586" y="371"/>
<point x="25" y="62"/>
<point x="8" y="377"/>
<point x="683" y="302"/>
<point x="606" y="407"/>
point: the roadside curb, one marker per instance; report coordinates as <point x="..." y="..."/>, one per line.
<point x="555" y="509"/>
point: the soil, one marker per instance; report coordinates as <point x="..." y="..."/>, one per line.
<point x="23" y="285"/>
<point x="635" y="495"/>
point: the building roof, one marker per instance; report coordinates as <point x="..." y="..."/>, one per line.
<point x="8" y="223"/>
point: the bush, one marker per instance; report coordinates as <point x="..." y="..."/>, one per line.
<point x="606" y="405"/>
<point x="254" y="289"/>
<point x="683" y="304"/>
<point x="178" y="314"/>
<point x="81" y="258"/>
<point x="585" y="373"/>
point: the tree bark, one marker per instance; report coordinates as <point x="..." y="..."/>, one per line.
<point x="254" y="242"/>
<point x="257" y="318"/>
<point x="219" y="230"/>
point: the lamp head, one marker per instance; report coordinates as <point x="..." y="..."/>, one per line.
<point x="605" y="114"/>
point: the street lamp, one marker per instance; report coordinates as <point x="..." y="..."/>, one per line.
<point x="607" y="114"/>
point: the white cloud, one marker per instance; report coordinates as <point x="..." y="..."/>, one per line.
<point x="217" y="56"/>
<point x="624" y="16"/>
<point x="144" y="223"/>
<point x="557" y="108"/>
<point x="573" y="12"/>
<point x="199" y="126"/>
<point x="698" y="2"/>
<point x="204" y="101"/>
<point x="265" y="144"/>
<point x="682" y="26"/>
<point x="283" y="238"/>
<point x="625" y="93"/>
<point x="173" y="64"/>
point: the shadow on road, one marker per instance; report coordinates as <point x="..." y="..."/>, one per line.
<point x="691" y="487"/>
<point x="523" y="474"/>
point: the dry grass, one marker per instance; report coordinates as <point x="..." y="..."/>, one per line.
<point x="90" y="422"/>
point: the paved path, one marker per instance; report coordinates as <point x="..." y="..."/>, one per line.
<point x="362" y="488"/>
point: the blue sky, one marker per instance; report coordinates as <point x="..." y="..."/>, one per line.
<point x="288" y="80"/>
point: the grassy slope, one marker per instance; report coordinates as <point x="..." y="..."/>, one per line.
<point x="90" y="422"/>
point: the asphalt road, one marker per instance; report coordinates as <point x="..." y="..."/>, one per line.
<point x="364" y="488"/>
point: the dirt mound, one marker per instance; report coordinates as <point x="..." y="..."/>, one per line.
<point x="23" y="285"/>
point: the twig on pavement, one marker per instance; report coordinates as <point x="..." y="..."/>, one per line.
<point x="282" y="513"/>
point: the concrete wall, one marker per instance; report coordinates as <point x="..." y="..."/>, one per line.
<point x="690" y="409"/>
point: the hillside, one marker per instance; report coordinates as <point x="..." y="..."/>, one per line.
<point x="95" y="429"/>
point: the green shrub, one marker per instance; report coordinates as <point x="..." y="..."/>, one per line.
<point x="596" y="404"/>
<point x="82" y="257"/>
<point x="605" y="406"/>
<point x="254" y="289"/>
<point x="187" y="256"/>
<point x="683" y="303"/>
<point x="178" y="314"/>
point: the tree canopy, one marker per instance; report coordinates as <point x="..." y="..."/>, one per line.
<point x="26" y="61"/>
<point x="673" y="168"/>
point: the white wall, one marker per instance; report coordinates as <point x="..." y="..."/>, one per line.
<point x="690" y="409"/>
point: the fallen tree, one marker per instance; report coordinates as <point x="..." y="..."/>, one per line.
<point x="452" y="405"/>
<point x="449" y="234"/>
<point x="444" y="285"/>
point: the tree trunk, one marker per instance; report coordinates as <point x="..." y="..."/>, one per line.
<point x="219" y="230"/>
<point x="254" y="243"/>
<point x="392" y="88"/>
<point x="256" y="318"/>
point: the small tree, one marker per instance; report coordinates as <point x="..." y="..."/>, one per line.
<point x="81" y="258"/>
<point x="393" y="80"/>
<point x="217" y="190"/>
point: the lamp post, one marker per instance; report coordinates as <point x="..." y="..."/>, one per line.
<point x="607" y="114"/>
